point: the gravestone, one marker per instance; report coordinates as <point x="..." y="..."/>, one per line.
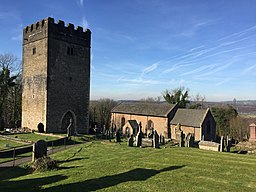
<point x="222" y="144"/>
<point x="156" y="140"/>
<point x="69" y="131"/>
<point x="130" y="141"/>
<point x="118" y="136"/>
<point x="139" y="138"/>
<point x="162" y="140"/>
<point x="182" y="142"/>
<point x="189" y="141"/>
<point x="39" y="150"/>
<point x="228" y="144"/>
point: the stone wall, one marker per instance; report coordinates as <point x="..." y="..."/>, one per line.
<point x="186" y="130"/>
<point x="56" y="76"/>
<point x="159" y="123"/>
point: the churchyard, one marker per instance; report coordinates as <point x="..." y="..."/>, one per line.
<point x="110" y="166"/>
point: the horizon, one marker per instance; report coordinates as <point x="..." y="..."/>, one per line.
<point x="142" y="47"/>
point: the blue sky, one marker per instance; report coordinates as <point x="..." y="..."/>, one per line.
<point x="142" y="47"/>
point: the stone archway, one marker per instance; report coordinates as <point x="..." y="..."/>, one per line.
<point x="66" y="119"/>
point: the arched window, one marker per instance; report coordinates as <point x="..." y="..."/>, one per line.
<point x="122" y="122"/>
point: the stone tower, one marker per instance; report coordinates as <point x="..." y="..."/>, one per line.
<point x="56" y="77"/>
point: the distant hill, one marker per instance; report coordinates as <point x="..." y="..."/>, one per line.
<point x="242" y="106"/>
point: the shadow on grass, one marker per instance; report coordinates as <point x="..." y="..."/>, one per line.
<point x="138" y="174"/>
<point x="26" y="184"/>
<point x="71" y="160"/>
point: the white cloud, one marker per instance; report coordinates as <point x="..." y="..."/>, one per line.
<point x="17" y="38"/>
<point x="85" y="24"/>
<point x="150" y="68"/>
<point x="249" y="69"/>
<point x="81" y="2"/>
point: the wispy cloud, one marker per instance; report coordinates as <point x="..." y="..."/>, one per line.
<point x="249" y="69"/>
<point x="225" y="80"/>
<point x="195" y="26"/>
<point x="200" y="69"/>
<point x="85" y="23"/>
<point x="149" y="69"/>
<point x="239" y="34"/>
<point x="219" y="68"/>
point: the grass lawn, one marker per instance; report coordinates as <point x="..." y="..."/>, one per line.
<point x="12" y="144"/>
<point x="108" y="166"/>
<point x="32" y="137"/>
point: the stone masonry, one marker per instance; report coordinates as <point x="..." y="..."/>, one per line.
<point x="56" y="76"/>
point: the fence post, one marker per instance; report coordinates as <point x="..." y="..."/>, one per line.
<point x="13" y="157"/>
<point x="52" y="146"/>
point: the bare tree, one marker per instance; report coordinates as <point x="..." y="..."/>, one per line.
<point x="8" y="81"/>
<point x="100" y="113"/>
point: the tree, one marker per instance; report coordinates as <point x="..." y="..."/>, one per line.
<point x="198" y="102"/>
<point x="100" y="113"/>
<point x="178" y="95"/>
<point x="239" y="128"/>
<point x="222" y="117"/>
<point x="7" y="81"/>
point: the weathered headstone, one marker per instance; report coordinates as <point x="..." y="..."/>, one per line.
<point x="118" y="136"/>
<point x="69" y="131"/>
<point x="156" y="140"/>
<point x="139" y="138"/>
<point x="162" y="140"/>
<point x="130" y="141"/>
<point x="222" y="144"/>
<point x="182" y="136"/>
<point x="39" y="149"/>
<point x="228" y="144"/>
<point x="189" y="141"/>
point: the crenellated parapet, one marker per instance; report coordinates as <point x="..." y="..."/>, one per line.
<point x="48" y="28"/>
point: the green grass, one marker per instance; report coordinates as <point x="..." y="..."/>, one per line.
<point x="105" y="166"/>
<point x="11" y="143"/>
<point x="32" y="137"/>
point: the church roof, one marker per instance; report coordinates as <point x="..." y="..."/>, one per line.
<point x="160" y="109"/>
<point x="189" y="117"/>
<point x="133" y="124"/>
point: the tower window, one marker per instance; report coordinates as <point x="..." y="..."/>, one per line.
<point x="70" y="51"/>
<point x="34" y="51"/>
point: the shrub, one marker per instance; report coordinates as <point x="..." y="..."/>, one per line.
<point x="44" y="164"/>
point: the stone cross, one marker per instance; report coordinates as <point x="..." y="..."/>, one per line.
<point x="39" y="150"/>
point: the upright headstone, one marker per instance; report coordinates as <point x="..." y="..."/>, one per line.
<point x="182" y="136"/>
<point x="39" y="149"/>
<point x="130" y="141"/>
<point x="228" y="144"/>
<point x="69" y="131"/>
<point x="156" y="140"/>
<point x="161" y="139"/>
<point x="139" y="138"/>
<point x="222" y="144"/>
<point x="118" y="136"/>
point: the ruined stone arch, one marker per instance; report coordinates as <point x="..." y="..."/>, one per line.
<point x="65" y="121"/>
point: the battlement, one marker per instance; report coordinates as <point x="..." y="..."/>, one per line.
<point x="48" y="28"/>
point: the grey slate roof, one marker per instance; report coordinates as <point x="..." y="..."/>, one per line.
<point x="189" y="117"/>
<point x="161" y="109"/>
